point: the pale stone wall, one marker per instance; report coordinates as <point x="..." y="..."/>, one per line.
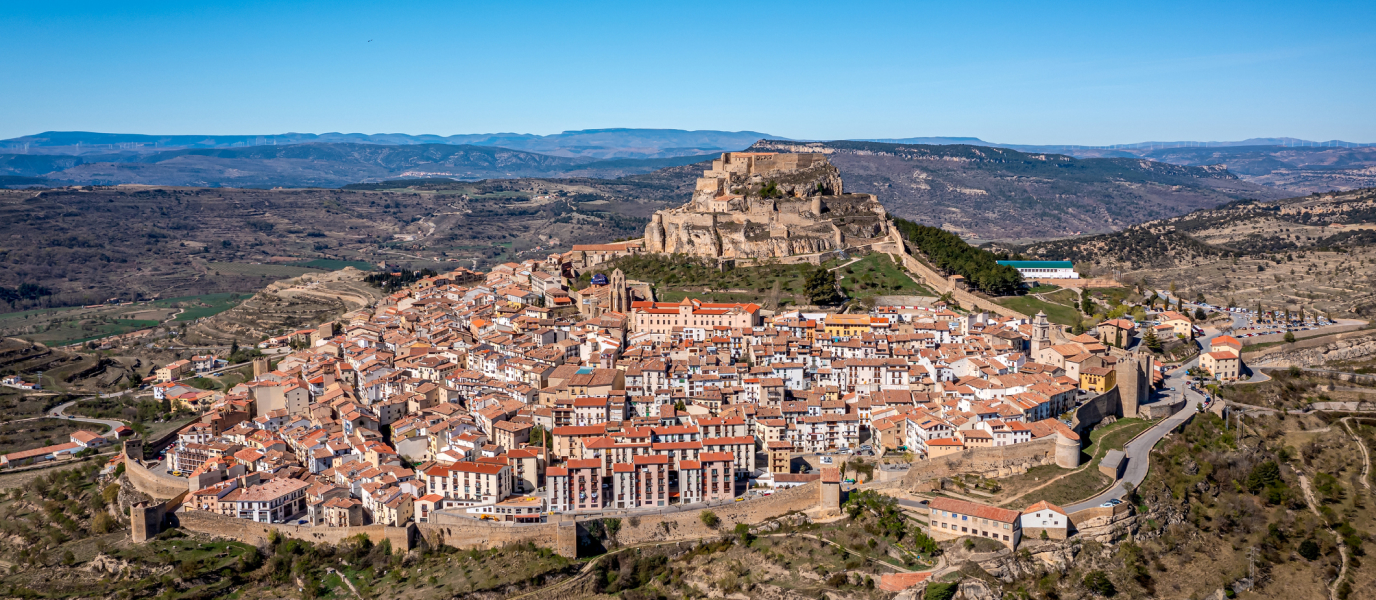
<point x="1091" y="412"/>
<point x="999" y="461"/>
<point x="252" y="532"/>
<point x="942" y="285"/>
<point x="158" y="485"/>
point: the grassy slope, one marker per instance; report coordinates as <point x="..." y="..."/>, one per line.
<point x="1056" y="313"/>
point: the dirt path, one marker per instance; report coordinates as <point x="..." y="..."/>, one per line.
<point x="346" y="582"/>
<point x="1366" y="457"/>
<point x="1342" y="548"/>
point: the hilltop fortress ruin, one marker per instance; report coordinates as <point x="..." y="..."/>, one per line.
<point x="756" y="205"/>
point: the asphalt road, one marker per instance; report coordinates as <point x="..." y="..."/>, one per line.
<point x="59" y="412"/>
<point x="1139" y="449"/>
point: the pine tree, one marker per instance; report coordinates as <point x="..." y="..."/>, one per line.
<point x="1150" y="340"/>
<point x="821" y="287"/>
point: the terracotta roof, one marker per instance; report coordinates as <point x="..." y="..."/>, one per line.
<point x="982" y="511"/>
<point x="1043" y="505"/>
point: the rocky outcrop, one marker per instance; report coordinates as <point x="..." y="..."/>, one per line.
<point x="767" y="205"/>
<point x="1346" y="349"/>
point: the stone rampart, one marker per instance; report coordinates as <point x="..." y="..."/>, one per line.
<point x="688" y="525"/>
<point x="158" y="485"/>
<point x="1000" y="461"/>
<point x="637" y="526"/>
<point x="942" y="285"/>
<point x="252" y="532"/>
<point x="1091" y="412"/>
<point x="1351" y="345"/>
<point x="465" y="532"/>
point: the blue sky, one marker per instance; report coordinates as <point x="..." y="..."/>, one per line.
<point x="1017" y="72"/>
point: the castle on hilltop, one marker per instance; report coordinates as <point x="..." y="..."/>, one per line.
<point x="753" y="205"/>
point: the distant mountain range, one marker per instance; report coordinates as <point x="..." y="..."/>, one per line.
<point x="335" y="159"/>
<point x="315" y="165"/>
<point x="589" y="143"/>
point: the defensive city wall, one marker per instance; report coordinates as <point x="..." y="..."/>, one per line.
<point x="562" y="534"/>
<point x="942" y="285"/>
<point x="999" y="461"/>
<point x="157" y="485"/>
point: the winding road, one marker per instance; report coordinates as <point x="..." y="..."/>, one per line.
<point x="1139" y="449"/>
<point x="59" y="412"/>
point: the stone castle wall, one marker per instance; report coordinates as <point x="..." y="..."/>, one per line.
<point x="1000" y="461"/>
<point x="463" y="532"/>
<point x="723" y="220"/>
<point x="251" y="532"/>
<point x="158" y="485"/>
<point x="942" y="285"/>
<point x="1089" y="414"/>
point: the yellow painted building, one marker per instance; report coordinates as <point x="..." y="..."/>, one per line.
<point x="1098" y="379"/>
<point x="846" y="325"/>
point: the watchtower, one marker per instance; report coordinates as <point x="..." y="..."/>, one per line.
<point x="830" y="499"/>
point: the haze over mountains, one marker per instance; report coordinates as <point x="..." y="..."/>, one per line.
<point x="590" y="143"/>
<point x="1288" y="165"/>
<point x="968" y="185"/>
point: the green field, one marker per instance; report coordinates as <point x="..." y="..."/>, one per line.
<point x="262" y="270"/>
<point x="1056" y="313"/>
<point x="98" y="331"/>
<point x="330" y="264"/>
<point x="61" y="326"/>
<point x="214" y="304"/>
<point x="877" y="275"/>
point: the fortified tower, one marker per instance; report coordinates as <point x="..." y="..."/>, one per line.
<point x="1067" y="451"/>
<point x="1134" y="381"/>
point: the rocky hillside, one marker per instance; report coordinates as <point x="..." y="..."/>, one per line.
<point x="1316" y="252"/>
<point x="1301" y="170"/>
<point x="987" y="193"/>
<point x="86" y="245"/>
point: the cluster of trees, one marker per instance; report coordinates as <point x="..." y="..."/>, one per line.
<point x="24" y="292"/>
<point x="879" y="515"/>
<point x="950" y="253"/>
<point x="53" y="509"/>
<point x="395" y="280"/>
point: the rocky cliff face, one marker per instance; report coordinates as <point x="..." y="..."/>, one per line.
<point x="767" y="205"/>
